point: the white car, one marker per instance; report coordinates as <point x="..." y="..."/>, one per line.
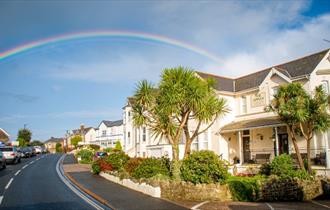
<point x="38" y="149"/>
<point x="11" y="154"/>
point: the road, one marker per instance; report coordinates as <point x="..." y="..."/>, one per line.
<point x="35" y="184"/>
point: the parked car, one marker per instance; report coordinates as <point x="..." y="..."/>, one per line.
<point x="100" y="154"/>
<point x="33" y="151"/>
<point x="38" y="149"/>
<point x="2" y="160"/>
<point x="25" y="152"/>
<point x="11" y="154"/>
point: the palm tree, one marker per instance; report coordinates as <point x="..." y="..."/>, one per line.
<point x="289" y="104"/>
<point x="180" y="96"/>
<point x="315" y="119"/>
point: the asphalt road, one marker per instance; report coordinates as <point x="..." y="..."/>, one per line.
<point x="34" y="184"/>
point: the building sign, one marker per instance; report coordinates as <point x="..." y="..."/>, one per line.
<point x="258" y="99"/>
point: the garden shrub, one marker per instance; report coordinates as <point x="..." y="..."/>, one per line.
<point x="94" y="147"/>
<point x="132" y="164"/>
<point x="96" y="168"/>
<point x="204" y="167"/>
<point x="265" y="169"/>
<point x="101" y="165"/>
<point x="85" y="155"/>
<point x="150" y="167"/>
<point x="117" y="159"/>
<point x="282" y="166"/>
<point x="245" y="188"/>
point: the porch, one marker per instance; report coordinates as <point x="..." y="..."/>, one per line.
<point x="253" y="142"/>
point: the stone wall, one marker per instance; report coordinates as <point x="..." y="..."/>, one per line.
<point x="290" y="189"/>
<point x="189" y="191"/>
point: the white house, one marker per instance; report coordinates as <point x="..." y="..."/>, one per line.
<point x="108" y="133"/>
<point x="247" y="134"/>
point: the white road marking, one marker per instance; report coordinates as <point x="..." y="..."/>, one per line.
<point x="320" y="204"/>
<point x="25" y="166"/>
<point x="31" y="162"/>
<point x="10" y="181"/>
<point x="271" y="208"/>
<point x="17" y="172"/>
<point x="1" y="197"/>
<point x="69" y="185"/>
<point x="199" y="205"/>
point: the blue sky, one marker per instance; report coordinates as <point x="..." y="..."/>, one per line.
<point x="60" y="86"/>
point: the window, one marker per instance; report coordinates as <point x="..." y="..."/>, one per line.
<point x="244" y="105"/>
<point x="246" y="132"/>
<point x="104" y="133"/>
<point x="144" y="134"/>
<point x="274" y="91"/>
<point x="194" y="145"/>
<point x="325" y="86"/>
<point x="205" y="140"/>
<point x="129" y="137"/>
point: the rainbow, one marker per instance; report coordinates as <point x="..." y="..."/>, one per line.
<point x="108" y="33"/>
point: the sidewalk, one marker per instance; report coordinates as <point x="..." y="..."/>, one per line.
<point x="113" y="195"/>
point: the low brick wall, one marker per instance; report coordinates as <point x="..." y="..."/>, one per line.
<point x="199" y="192"/>
<point x="291" y="189"/>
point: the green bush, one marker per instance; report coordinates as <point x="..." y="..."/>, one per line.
<point x="96" y="168"/>
<point x="204" y="167"/>
<point x="245" y="188"/>
<point x="282" y="166"/>
<point x="117" y="159"/>
<point x="265" y="169"/>
<point x="151" y="167"/>
<point x="132" y="164"/>
<point x="85" y="155"/>
<point x="94" y="147"/>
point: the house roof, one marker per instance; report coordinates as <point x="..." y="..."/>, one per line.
<point x="295" y="68"/>
<point x="77" y="131"/>
<point x="222" y="83"/>
<point x="4" y="132"/>
<point x="251" y="124"/>
<point x="112" y="123"/>
<point x="54" y="139"/>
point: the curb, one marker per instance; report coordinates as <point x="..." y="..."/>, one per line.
<point x="90" y="193"/>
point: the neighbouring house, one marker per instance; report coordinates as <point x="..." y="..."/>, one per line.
<point x="82" y="131"/>
<point x="4" y="136"/>
<point x="50" y="144"/>
<point x="247" y="134"/>
<point x="107" y="134"/>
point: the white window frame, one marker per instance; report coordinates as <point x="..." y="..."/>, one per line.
<point x="325" y="86"/>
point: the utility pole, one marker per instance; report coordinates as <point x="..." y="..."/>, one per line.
<point x="25" y="126"/>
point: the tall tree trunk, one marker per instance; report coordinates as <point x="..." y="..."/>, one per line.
<point x="187" y="149"/>
<point x="309" y="163"/>
<point x="294" y="141"/>
<point x="175" y="167"/>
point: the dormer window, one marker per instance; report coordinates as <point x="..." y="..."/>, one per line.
<point x="325" y="86"/>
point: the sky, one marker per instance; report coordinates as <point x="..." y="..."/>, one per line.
<point x="61" y="85"/>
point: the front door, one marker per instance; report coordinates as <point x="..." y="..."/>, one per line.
<point x="246" y="149"/>
<point x="283" y="143"/>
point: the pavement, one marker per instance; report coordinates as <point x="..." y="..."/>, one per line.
<point x="114" y="195"/>
<point x="35" y="184"/>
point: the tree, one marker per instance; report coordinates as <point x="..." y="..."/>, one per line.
<point x="58" y="147"/>
<point x="25" y="135"/>
<point x="21" y="142"/>
<point x="180" y="96"/>
<point x="118" y="146"/>
<point x="314" y="119"/>
<point x="75" y="140"/>
<point x="36" y="143"/>
<point x="289" y="104"/>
